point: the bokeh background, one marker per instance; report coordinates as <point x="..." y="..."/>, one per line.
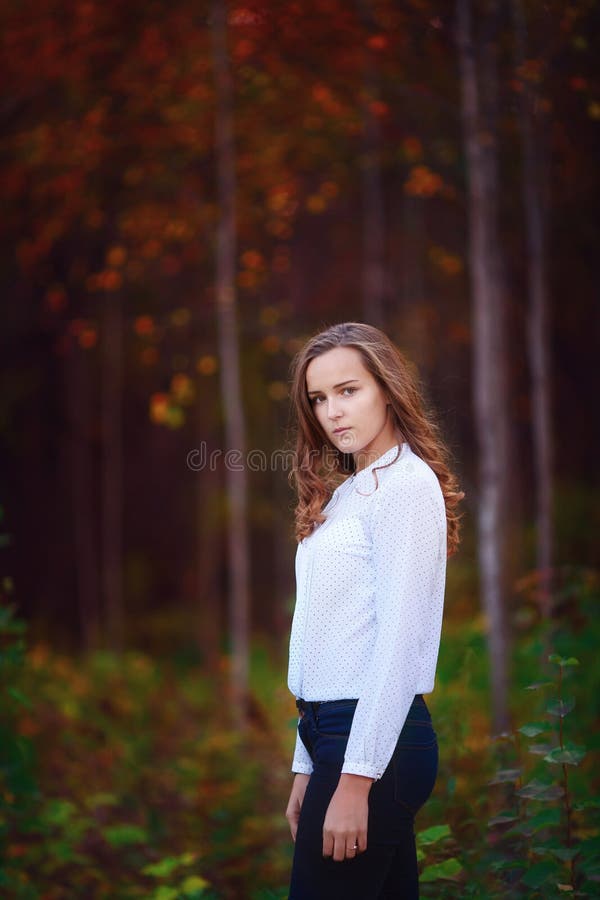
<point x="189" y="191"/>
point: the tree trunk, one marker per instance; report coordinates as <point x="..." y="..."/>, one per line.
<point x="208" y="555"/>
<point x="112" y="472"/>
<point x="85" y="551"/>
<point x="235" y="475"/>
<point x="537" y="322"/>
<point x="412" y="276"/>
<point x="489" y="380"/>
<point x="373" y="219"/>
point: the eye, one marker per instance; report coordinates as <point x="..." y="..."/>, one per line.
<point x="351" y="389"/>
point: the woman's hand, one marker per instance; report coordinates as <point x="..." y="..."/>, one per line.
<point x="294" y="806"/>
<point x="347" y="817"/>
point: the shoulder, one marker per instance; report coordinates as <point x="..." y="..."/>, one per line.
<point x="411" y="474"/>
<point x="413" y="483"/>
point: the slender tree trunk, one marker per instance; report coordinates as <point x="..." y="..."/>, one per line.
<point x="79" y="403"/>
<point x="374" y="274"/>
<point x="412" y="276"/>
<point x="112" y="473"/>
<point x="538" y="328"/>
<point x="236" y="481"/>
<point x="489" y="381"/>
<point x="208" y="555"/>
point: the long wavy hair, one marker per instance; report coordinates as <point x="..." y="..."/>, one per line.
<point x="318" y="467"/>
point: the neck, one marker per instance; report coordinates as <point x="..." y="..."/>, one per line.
<point x="364" y="458"/>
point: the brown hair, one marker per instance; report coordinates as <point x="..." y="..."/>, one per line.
<point x="317" y="465"/>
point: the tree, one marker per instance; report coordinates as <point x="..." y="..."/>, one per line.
<point x="534" y="183"/>
<point x="489" y="361"/>
<point x="235" y="438"/>
<point x="374" y="233"/>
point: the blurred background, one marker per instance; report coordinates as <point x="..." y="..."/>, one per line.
<point x="189" y="191"/>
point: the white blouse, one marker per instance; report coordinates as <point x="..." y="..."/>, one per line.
<point x="370" y="593"/>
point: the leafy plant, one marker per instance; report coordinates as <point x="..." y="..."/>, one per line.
<point x="550" y="847"/>
<point x="18" y="787"/>
<point x="446" y="869"/>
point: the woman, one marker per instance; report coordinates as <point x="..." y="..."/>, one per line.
<point x="370" y="570"/>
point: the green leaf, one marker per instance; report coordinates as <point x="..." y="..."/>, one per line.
<point x="505" y="865"/>
<point x="450" y="868"/>
<point x="163" y="892"/>
<point x="562" y="661"/>
<point x="16" y="694"/>
<point x="433" y="834"/>
<point x="540" y="749"/>
<point x="504" y="776"/>
<point x="571" y="756"/>
<point x="120" y="835"/>
<point x="590" y="846"/>
<point x="162" y="868"/>
<point x="103" y="798"/>
<point x="591" y="866"/>
<point x="561" y="708"/>
<point x="546" y="818"/>
<point x="59" y="812"/>
<point x="194" y="884"/>
<point x="543" y="819"/>
<point x="532" y="729"/>
<point x="502" y="819"/>
<point x="537" y="790"/>
<point x="586" y="804"/>
<point x="565" y="854"/>
<point x="540" y="873"/>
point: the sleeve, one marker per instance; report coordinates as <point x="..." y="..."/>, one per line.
<point x="302" y="763"/>
<point x="408" y="530"/>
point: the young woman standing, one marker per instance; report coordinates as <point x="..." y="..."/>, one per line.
<point x="370" y="574"/>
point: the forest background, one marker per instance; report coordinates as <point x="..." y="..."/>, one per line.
<point x="189" y="191"/>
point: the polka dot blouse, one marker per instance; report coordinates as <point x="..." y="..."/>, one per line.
<point x="369" y="602"/>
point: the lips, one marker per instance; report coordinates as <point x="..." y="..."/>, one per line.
<point x="340" y="430"/>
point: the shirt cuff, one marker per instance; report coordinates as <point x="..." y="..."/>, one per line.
<point x="302" y="763"/>
<point x="359" y="768"/>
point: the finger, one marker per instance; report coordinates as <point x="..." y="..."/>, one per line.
<point x="361" y="840"/>
<point x="351" y="849"/>
<point x="327" y="843"/>
<point x="339" y="850"/>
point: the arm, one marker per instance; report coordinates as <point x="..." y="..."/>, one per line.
<point x="302" y="766"/>
<point x="295" y="802"/>
<point x="409" y="549"/>
<point x="409" y="545"/>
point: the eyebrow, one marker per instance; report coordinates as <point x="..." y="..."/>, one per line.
<point x="341" y="384"/>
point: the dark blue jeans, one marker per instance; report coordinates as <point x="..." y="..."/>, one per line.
<point x="388" y="867"/>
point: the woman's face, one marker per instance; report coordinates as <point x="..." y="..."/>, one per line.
<point x="349" y="404"/>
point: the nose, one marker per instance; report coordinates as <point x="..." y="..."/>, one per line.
<point x="332" y="409"/>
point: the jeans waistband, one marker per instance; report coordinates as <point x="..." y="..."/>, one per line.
<point x="315" y="705"/>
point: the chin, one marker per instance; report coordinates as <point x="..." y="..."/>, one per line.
<point x="345" y="444"/>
